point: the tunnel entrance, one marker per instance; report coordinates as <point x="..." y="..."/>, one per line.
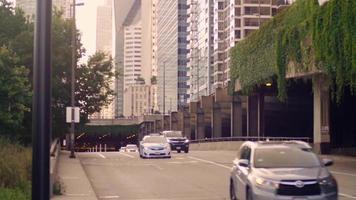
<point x="294" y="117"/>
<point x="343" y="121"/>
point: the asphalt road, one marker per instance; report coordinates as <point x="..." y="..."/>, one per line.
<point x="198" y="175"/>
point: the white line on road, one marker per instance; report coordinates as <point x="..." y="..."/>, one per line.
<point x="101" y="155"/>
<point x="109" y="197"/>
<point x="130" y="156"/>
<point x="343" y="173"/>
<point x="210" y="162"/>
<point x="347" y="196"/>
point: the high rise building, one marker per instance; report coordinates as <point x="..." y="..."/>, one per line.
<point x="124" y="11"/>
<point x="233" y="21"/>
<point x="138" y="100"/>
<point x="172" y="54"/>
<point x="104" y="44"/>
<point x="29" y="7"/>
<point x="132" y="54"/>
<point x="201" y="46"/>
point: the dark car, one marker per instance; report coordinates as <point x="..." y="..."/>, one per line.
<point x="177" y="141"/>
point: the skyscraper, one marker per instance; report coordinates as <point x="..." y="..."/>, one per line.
<point x="104" y="44"/>
<point x="123" y="11"/>
<point x="200" y="56"/>
<point x="233" y="21"/>
<point x="172" y="54"/>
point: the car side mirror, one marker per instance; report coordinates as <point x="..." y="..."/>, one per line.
<point x="327" y="162"/>
<point x="244" y="163"/>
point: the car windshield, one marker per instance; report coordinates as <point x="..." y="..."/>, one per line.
<point x="174" y="134"/>
<point x="285" y="158"/>
<point x="131" y="146"/>
<point x="154" y="139"/>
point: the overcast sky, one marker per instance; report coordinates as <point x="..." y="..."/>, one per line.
<point x="86" y="23"/>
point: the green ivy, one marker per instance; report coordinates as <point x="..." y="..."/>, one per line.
<point x="302" y="37"/>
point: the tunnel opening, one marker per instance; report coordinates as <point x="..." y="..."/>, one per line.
<point x="294" y="117"/>
<point x="343" y="121"/>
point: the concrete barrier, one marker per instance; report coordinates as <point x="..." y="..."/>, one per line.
<point x="210" y="146"/>
<point x="55" y="147"/>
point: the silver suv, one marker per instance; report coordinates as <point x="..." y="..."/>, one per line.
<point x="281" y="171"/>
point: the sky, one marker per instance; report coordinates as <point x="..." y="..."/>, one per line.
<point x="86" y="23"/>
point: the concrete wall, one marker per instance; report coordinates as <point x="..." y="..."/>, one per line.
<point x="210" y="146"/>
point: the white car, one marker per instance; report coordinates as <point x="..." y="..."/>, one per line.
<point x="131" y="148"/>
<point x="122" y="149"/>
<point x="155" y="147"/>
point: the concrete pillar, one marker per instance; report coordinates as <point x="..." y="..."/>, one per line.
<point x="105" y="148"/>
<point x="96" y="148"/>
<point x="174" y="121"/>
<point x="236" y="116"/>
<point x="186" y="125"/>
<point x="255" y="115"/>
<point x="321" y="114"/>
<point x="216" y="121"/>
<point x="166" y="124"/>
<point x="99" y="147"/>
<point x="199" y="124"/>
<point x="207" y="104"/>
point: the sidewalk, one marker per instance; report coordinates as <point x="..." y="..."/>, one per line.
<point x="74" y="181"/>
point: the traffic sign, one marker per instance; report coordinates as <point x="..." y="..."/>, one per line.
<point x="72" y="117"/>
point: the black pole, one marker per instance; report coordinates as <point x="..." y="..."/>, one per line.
<point x="41" y="101"/>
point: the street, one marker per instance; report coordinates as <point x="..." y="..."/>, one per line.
<point x="198" y="175"/>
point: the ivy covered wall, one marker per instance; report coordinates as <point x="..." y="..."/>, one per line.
<point x="303" y="37"/>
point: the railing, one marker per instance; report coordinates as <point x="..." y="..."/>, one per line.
<point x="251" y="138"/>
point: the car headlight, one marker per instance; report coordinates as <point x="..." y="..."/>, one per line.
<point x="264" y="183"/>
<point x="328" y="184"/>
<point x="186" y="141"/>
<point x="145" y="148"/>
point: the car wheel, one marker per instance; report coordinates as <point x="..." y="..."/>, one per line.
<point x="186" y="151"/>
<point x="178" y="151"/>
<point x="249" y="195"/>
<point x="232" y="191"/>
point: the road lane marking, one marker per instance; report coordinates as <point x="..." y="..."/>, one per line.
<point x="210" y="162"/>
<point x="101" y="155"/>
<point x="109" y="197"/>
<point x="76" y="195"/>
<point x="130" y="156"/>
<point x="343" y="173"/>
<point x="347" y="196"/>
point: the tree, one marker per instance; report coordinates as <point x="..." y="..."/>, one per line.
<point x="16" y="40"/>
<point x="14" y="92"/>
<point x="93" y="79"/>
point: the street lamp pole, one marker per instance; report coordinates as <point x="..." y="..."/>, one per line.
<point x="74" y="65"/>
<point x="41" y="120"/>
<point x="164" y="87"/>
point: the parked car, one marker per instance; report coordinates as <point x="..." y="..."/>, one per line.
<point x="153" y="146"/>
<point x="122" y="149"/>
<point x="177" y="141"/>
<point x="281" y="170"/>
<point x="131" y="148"/>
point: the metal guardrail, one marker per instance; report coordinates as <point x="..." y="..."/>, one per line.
<point x="251" y="138"/>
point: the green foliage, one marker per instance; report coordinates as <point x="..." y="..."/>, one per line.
<point x="123" y="130"/>
<point x="16" y="50"/>
<point x="334" y="41"/>
<point x="15" y="170"/>
<point x="303" y="37"/>
<point x="11" y="194"/>
<point x="14" y="92"/>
